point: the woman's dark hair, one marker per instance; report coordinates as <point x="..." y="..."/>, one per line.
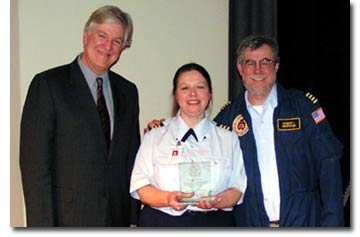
<point x="185" y="68"/>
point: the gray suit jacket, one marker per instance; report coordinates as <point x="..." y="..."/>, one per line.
<point x="70" y="177"/>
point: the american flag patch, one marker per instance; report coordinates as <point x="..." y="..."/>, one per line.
<point x="318" y="115"/>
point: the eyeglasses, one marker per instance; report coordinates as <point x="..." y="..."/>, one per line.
<point x="265" y="64"/>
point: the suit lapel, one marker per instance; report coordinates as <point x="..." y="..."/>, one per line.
<point x="83" y="102"/>
<point x="118" y="100"/>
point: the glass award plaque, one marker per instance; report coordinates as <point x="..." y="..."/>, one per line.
<point x="195" y="177"/>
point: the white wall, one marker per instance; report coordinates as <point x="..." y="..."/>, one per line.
<point x="167" y="34"/>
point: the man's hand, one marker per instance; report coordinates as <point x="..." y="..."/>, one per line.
<point x="153" y="124"/>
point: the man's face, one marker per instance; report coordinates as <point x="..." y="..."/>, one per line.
<point x="258" y="71"/>
<point x="103" y="44"/>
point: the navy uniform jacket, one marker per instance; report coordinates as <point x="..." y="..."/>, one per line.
<point x="307" y="155"/>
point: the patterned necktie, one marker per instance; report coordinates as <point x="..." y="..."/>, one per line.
<point x="103" y="112"/>
<point x="188" y="133"/>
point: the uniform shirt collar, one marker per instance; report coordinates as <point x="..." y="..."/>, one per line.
<point x="201" y="129"/>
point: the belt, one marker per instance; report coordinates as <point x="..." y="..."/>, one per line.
<point x="274" y="223"/>
<point x="197" y="213"/>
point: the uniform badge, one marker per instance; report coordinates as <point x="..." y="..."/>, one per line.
<point x="318" y="115"/>
<point x="289" y="124"/>
<point x="224" y="127"/>
<point x="311" y="97"/>
<point x="240" y="126"/>
<point x="176" y="152"/>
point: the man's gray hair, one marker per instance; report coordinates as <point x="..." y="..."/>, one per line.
<point x="255" y="42"/>
<point x="113" y="13"/>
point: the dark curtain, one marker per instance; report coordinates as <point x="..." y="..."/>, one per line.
<point x="248" y="17"/>
<point x="314" y="55"/>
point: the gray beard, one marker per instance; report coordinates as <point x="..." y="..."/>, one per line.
<point x="260" y="91"/>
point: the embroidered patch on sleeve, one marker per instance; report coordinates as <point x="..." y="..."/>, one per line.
<point x="240" y="125"/>
<point x="318" y="115"/>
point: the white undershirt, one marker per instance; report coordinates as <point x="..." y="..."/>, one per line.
<point x="262" y="123"/>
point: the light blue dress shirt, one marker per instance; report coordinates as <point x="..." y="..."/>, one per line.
<point x="262" y="124"/>
<point x="90" y="77"/>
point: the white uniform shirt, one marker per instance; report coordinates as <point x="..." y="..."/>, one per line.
<point x="262" y="123"/>
<point x="155" y="165"/>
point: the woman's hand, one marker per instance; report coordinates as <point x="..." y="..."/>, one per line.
<point x="154" y="197"/>
<point x="208" y="202"/>
<point x="175" y="197"/>
<point x="225" y="199"/>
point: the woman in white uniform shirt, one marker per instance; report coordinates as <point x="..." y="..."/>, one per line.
<point x="214" y="152"/>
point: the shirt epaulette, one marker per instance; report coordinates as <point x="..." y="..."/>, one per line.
<point x="311" y="97"/>
<point x="225" y="105"/>
<point x="156" y="126"/>
<point x="224" y="126"/>
<point x="318" y="114"/>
